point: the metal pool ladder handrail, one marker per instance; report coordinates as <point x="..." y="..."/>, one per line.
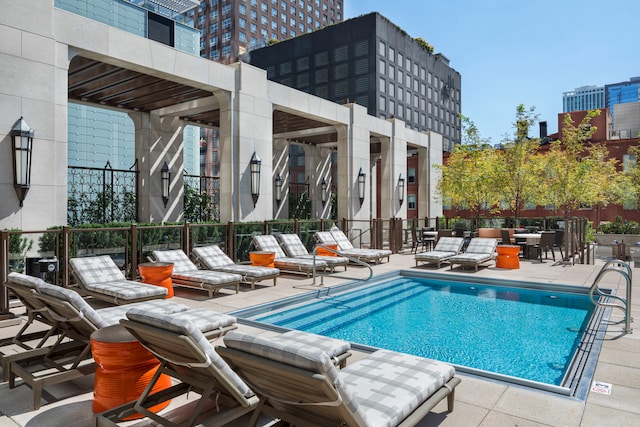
<point x="356" y="260"/>
<point x="625" y="270"/>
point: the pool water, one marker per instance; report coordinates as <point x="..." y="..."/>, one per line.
<point x="525" y="333"/>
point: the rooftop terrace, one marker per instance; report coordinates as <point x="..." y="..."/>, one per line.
<point x="479" y="402"/>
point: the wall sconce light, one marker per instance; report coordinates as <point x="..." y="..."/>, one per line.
<point x="165" y="182"/>
<point x="323" y="191"/>
<point x="401" y="189"/>
<point x="362" y="179"/>
<point x="254" y="167"/>
<point x="278" y="185"/>
<point x="22" y="140"/>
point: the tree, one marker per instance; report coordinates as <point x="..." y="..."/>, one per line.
<point x="632" y="176"/>
<point x="519" y="175"/>
<point x="568" y="167"/>
<point x="468" y="179"/>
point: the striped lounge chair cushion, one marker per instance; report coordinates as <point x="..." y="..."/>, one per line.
<point x="449" y="244"/>
<point x="434" y="256"/>
<point x="293" y="245"/>
<point x="332" y="346"/>
<point x="204" y="320"/>
<point x="30" y="282"/>
<point x="481" y="245"/>
<point x="96" y="269"/>
<point x="207" y="277"/>
<point x="125" y="290"/>
<point x="268" y="243"/>
<point x="324" y="238"/>
<point x="389" y="386"/>
<point x="180" y="260"/>
<point x="186" y="327"/>
<point x="212" y="256"/>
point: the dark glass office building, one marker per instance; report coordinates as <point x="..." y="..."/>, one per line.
<point x="372" y="62"/>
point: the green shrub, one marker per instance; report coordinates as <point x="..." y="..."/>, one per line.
<point x="619" y="226"/>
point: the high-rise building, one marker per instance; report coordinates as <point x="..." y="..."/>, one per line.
<point x="372" y="62"/>
<point x="230" y="28"/>
<point x="583" y="98"/>
<point x="623" y="92"/>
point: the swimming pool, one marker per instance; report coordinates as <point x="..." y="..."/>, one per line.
<point x="533" y="334"/>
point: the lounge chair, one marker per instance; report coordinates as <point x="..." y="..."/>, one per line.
<point x="294" y="247"/>
<point x="337" y="237"/>
<point x="101" y="278"/>
<point x="443" y="251"/>
<point x="480" y="250"/>
<point x="213" y="258"/>
<point x="77" y="320"/>
<point x="189" y="358"/>
<point x="269" y="243"/>
<point x="185" y="273"/>
<point x="300" y="385"/>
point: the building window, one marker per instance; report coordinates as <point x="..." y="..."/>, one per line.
<point x="411" y="202"/>
<point x="383" y="103"/>
<point x="226" y="23"/>
<point x="242" y="23"/>
<point x="242" y="9"/>
<point x="411" y="175"/>
<point x="383" y="85"/>
<point x="242" y="37"/>
<point x="392" y="54"/>
<point x="382" y="48"/>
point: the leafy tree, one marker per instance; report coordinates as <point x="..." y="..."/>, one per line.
<point x="468" y="180"/>
<point x="605" y="184"/>
<point x="632" y="176"/>
<point x="568" y="167"/>
<point x="519" y="174"/>
<point x="198" y="205"/>
<point x="299" y="206"/>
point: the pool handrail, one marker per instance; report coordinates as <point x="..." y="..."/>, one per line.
<point x="625" y="270"/>
<point x="337" y="252"/>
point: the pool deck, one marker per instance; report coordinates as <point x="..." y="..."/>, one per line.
<point x="479" y="402"/>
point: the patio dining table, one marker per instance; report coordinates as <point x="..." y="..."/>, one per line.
<point x="530" y="239"/>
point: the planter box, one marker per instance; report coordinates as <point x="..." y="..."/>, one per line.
<point x="605" y="243"/>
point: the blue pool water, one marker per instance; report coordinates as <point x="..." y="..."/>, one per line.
<point x="525" y="333"/>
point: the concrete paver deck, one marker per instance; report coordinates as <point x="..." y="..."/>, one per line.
<point x="479" y="402"/>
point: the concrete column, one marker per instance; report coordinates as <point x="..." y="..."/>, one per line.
<point x="281" y="166"/>
<point x="159" y="140"/>
<point x="318" y="166"/>
<point x="33" y="85"/>
<point x="393" y="164"/>
<point x="353" y="155"/>
<point x="246" y="120"/>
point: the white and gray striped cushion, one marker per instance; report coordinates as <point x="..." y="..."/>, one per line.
<point x="212" y="256"/>
<point x="324" y="238"/>
<point x="341" y="239"/>
<point x="207" y="277"/>
<point x="449" y="244"/>
<point x="434" y="256"/>
<point x="204" y="320"/>
<point x="96" y="269"/>
<point x="267" y="242"/>
<point x="388" y="386"/>
<point x="292" y="245"/>
<point x="332" y="346"/>
<point x="481" y="245"/>
<point x="30" y="282"/>
<point x="112" y="315"/>
<point x="180" y="260"/>
<point x="186" y="327"/>
<point x="125" y="290"/>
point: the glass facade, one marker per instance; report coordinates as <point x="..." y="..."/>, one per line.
<point x="583" y="98"/>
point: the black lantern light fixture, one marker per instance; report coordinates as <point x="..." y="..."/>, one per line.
<point x="323" y="191"/>
<point x="22" y="142"/>
<point x="278" y="187"/>
<point x="165" y="181"/>
<point x="362" y="179"/>
<point x="254" y="167"/>
<point x="401" y="189"/>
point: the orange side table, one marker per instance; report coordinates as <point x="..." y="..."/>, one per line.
<point x="323" y="252"/>
<point x="157" y="273"/>
<point x="125" y="369"/>
<point x="508" y="256"/>
<point x="262" y="258"/>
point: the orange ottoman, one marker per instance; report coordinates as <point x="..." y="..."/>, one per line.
<point x="125" y="368"/>
<point x="508" y="256"/>
<point x="262" y="258"/>
<point x="323" y="252"/>
<point x="157" y="273"/>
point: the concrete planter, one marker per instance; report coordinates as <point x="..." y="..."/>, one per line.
<point x="605" y="248"/>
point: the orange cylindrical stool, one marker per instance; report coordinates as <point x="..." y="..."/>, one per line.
<point x="322" y="251"/>
<point x="262" y="258"/>
<point x="125" y="368"/>
<point x="508" y="256"/>
<point x="157" y="273"/>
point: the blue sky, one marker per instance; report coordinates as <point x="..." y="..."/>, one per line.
<point x="521" y="52"/>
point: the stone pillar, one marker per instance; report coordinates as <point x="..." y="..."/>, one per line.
<point x="281" y="166"/>
<point x="34" y="86"/>
<point x="393" y="164"/>
<point x="353" y="155"/>
<point x="246" y="126"/>
<point x="318" y="166"/>
<point x="159" y="140"/>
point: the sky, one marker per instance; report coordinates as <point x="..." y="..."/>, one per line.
<point x="521" y="52"/>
